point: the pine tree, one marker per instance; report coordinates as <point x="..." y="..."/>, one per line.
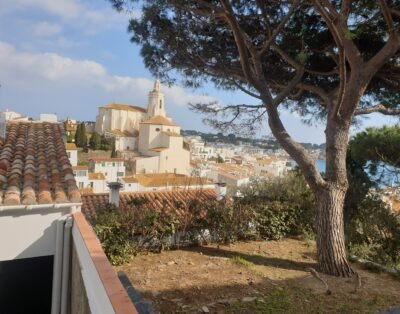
<point x="113" y="151"/>
<point x="95" y="141"/>
<point x="78" y="135"/>
<point x="83" y="137"/>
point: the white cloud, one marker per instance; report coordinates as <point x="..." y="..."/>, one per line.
<point x="48" y="82"/>
<point x="71" y="12"/>
<point x="46" y="29"/>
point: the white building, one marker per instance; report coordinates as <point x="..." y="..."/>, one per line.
<point x="119" y="117"/>
<point x="164" y="181"/>
<point x="89" y="182"/>
<point x="123" y="140"/>
<point x="72" y="152"/>
<point x="112" y="168"/>
<point x="48" y="117"/>
<point x="271" y="167"/>
<point x="149" y="132"/>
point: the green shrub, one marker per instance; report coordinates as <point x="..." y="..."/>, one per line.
<point x="374" y="232"/>
<point x="228" y="223"/>
<point x="111" y="229"/>
<point x="283" y="206"/>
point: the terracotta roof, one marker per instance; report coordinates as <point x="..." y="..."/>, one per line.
<point x="71" y="146"/>
<point x="130" y="179"/>
<point x="86" y="191"/>
<point x="159" y="120"/>
<point x="172" y="134"/>
<point x="71" y="128"/>
<point x="123" y="107"/>
<point x="120" y="133"/>
<point x="98" y="160"/>
<point x="80" y="168"/>
<point x="270" y="160"/>
<point x="96" y="176"/>
<point x="157" y="200"/>
<point x="34" y="166"/>
<point x="169" y="179"/>
<point x="159" y="149"/>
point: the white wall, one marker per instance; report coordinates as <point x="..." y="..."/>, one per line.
<point x="131" y="187"/>
<point x="29" y="233"/>
<point x="99" y="186"/>
<point x="125" y="143"/>
<point x="73" y="157"/>
<point x="110" y="172"/>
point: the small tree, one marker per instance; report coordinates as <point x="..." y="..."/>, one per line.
<point x="113" y="151"/>
<point x="95" y="141"/>
<point x="78" y="135"/>
<point x="83" y="136"/>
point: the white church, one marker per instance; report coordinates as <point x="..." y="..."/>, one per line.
<point x="149" y="132"/>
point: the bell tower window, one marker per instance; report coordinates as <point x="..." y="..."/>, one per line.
<point x="160" y="103"/>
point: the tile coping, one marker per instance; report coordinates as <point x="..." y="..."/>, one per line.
<point x="119" y="298"/>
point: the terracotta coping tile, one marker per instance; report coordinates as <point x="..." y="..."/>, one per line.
<point x="116" y="293"/>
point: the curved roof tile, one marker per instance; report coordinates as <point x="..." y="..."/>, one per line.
<point x="34" y="166"/>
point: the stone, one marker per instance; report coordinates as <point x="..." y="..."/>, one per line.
<point x="171" y="263"/>
<point x="249" y="299"/>
<point x="205" y="309"/>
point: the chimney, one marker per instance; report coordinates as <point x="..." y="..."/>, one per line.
<point x="220" y="190"/>
<point x="114" y="193"/>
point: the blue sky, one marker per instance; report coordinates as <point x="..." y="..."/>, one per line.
<point x="71" y="56"/>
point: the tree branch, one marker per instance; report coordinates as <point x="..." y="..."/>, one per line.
<point x="276" y="31"/>
<point x="388" y="17"/>
<point x="378" y="108"/>
<point x="295" y="150"/>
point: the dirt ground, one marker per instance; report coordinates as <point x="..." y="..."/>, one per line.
<point x="254" y="277"/>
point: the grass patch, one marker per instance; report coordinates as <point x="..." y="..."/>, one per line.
<point x="292" y="300"/>
<point x="238" y="260"/>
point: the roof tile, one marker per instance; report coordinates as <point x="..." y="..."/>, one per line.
<point x="34" y="166"/>
<point x="156" y="200"/>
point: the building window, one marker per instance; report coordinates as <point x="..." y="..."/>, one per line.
<point x="160" y="103"/>
<point x="103" y="164"/>
<point x="120" y="174"/>
<point x="81" y="185"/>
<point x="158" y="129"/>
<point x="69" y="154"/>
<point x="113" y="164"/>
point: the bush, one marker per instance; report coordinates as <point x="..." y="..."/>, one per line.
<point x="283" y="206"/>
<point x="114" y="235"/>
<point x="228" y="223"/>
<point x="374" y="233"/>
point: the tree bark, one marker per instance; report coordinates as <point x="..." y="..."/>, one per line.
<point x="331" y="249"/>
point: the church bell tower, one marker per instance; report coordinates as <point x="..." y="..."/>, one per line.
<point x="156" y="106"/>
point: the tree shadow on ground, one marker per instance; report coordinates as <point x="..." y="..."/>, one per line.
<point x="253" y="258"/>
<point x="282" y="296"/>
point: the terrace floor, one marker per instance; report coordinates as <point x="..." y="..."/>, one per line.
<point x="254" y="277"/>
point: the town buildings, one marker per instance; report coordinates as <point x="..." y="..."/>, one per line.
<point x="149" y="132"/>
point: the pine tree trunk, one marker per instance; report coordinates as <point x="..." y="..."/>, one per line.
<point x="331" y="250"/>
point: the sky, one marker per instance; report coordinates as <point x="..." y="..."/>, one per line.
<point x="70" y="57"/>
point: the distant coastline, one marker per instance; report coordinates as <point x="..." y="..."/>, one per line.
<point x="319" y="162"/>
